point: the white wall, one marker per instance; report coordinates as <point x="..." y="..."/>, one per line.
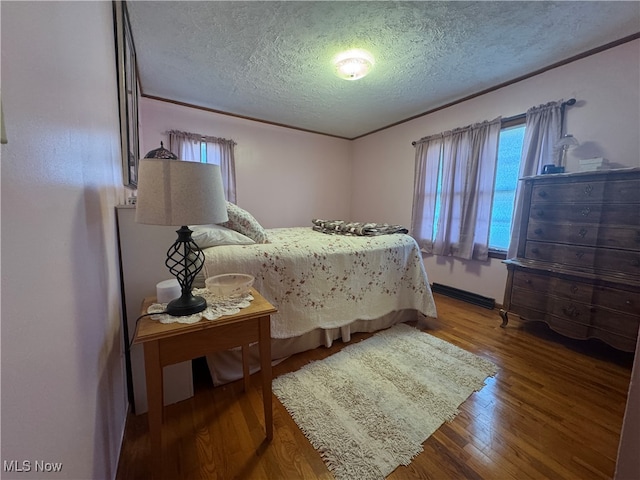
<point x="284" y="177"/>
<point x="63" y="391"/>
<point x="606" y="120"/>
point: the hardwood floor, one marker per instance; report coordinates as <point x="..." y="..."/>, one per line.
<point x="554" y="410"/>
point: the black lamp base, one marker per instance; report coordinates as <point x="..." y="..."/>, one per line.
<point x="185" y="260"/>
<point x="187" y="304"/>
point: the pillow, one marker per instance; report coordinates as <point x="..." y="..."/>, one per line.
<point x="242" y="221"/>
<point x="207" y="236"/>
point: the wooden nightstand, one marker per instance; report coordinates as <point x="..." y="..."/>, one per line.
<point x="166" y="344"/>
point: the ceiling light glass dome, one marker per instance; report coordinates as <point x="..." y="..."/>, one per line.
<point x="353" y="64"/>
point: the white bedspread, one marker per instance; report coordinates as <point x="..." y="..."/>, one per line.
<point x="317" y="280"/>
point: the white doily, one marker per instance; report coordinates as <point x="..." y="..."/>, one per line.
<point x="216" y="307"/>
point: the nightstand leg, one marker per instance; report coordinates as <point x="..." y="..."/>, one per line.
<point x="153" y="372"/>
<point x="265" y="367"/>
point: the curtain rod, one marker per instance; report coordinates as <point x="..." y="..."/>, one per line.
<point x="520" y="116"/>
<point x="201" y="137"/>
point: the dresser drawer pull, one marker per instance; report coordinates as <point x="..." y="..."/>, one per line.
<point x="540" y="213"/>
<point x="538" y="231"/>
<point x="582" y="233"/>
<point x="535" y="251"/>
<point x="579" y="255"/>
<point x="586" y="211"/>
<point x="587" y="190"/>
<point x="629" y="302"/>
<point x="570" y="311"/>
<point x="542" y="193"/>
<point x="574" y="288"/>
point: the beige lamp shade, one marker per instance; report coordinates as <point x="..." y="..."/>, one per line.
<point x="176" y="192"/>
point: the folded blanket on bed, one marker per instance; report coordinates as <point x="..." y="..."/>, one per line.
<point x="341" y="227"/>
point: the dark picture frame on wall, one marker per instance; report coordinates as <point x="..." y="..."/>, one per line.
<point x="127" y="94"/>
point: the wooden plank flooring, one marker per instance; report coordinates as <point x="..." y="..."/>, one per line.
<point x="554" y="410"/>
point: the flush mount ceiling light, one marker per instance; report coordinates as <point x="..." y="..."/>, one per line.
<point x="353" y="64"/>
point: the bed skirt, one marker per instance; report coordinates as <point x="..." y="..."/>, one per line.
<point x="226" y="366"/>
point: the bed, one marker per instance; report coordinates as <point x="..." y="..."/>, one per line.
<point x="325" y="286"/>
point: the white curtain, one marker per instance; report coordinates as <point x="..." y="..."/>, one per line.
<point x="542" y="130"/>
<point x="186" y="146"/>
<point x="425" y="190"/>
<point x="465" y="160"/>
<point x="219" y="151"/>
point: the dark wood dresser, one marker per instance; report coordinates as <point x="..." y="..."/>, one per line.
<point x="578" y="260"/>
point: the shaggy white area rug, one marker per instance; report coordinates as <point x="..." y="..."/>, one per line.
<point x="369" y="407"/>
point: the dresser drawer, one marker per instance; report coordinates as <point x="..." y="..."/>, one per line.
<point x="618" y="323"/>
<point x="586" y="258"/>
<point x="573" y="192"/>
<point x="537" y="284"/>
<point x="622" y="299"/>
<point x="621" y="342"/>
<point x="585" y="234"/>
<point x="616" y="191"/>
<point x="582" y="331"/>
<point x="580" y="315"/>
<point x="565" y="308"/>
<point x="559" y="324"/>
<point x="626" y="301"/>
<point x="584" y="213"/>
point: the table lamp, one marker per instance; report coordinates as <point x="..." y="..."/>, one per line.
<point x="566" y="142"/>
<point x="181" y="193"/>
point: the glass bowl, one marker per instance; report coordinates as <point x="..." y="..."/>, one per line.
<point x="229" y="284"/>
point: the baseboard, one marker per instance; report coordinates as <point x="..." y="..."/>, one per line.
<point x="463" y="295"/>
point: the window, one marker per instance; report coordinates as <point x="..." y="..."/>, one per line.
<point x="203" y="152"/>
<point x="211" y="152"/>
<point x="495" y="194"/>
<point x="507" y="170"/>
<point x="207" y="149"/>
<point x="466" y="157"/>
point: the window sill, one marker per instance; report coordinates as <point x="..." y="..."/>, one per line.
<point x="499" y="254"/>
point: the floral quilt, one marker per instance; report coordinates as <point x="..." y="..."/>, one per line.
<point x="326" y="281"/>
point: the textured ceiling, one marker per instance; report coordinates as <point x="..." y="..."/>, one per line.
<point x="271" y="60"/>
